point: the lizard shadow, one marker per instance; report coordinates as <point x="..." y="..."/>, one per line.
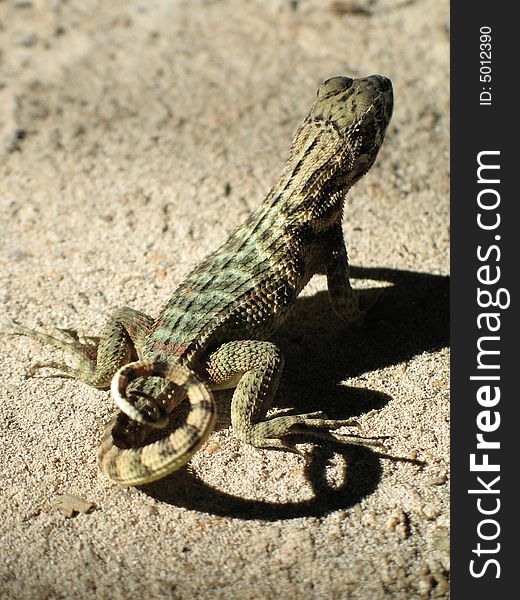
<point x="417" y="320"/>
<point x="411" y="316"/>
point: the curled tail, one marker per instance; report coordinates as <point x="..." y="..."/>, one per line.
<point x="137" y="466"/>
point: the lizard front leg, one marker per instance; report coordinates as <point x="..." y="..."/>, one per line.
<point x="96" y="359"/>
<point x="254" y="368"/>
<point x="344" y="299"/>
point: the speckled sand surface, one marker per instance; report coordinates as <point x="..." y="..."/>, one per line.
<point x="134" y="137"/>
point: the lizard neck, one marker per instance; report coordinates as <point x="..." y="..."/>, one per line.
<point x="312" y="187"/>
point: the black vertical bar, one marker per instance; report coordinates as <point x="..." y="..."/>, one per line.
<point x="484" y="122"/>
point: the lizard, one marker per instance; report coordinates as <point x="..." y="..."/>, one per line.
<point x="214" y="331"/>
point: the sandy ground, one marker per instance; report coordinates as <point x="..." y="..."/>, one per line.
<point x="134" y="137"/>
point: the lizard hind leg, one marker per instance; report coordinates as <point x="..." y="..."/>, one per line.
<point x="83" y="351"/>
<point x="255" y="367"/>
<point x="95" y="359"/>
<point x="149" y="462"/>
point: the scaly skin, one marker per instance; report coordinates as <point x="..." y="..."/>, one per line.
<point x="212" y="334"/>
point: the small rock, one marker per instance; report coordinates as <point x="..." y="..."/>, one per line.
<point x="440" y="480"/>
<point x="212" y="448"/>
<point x="350" y="7"/>
<point x="432" y="510"/>
<point x="17" y="255"/>
<point x="69" y="504"/>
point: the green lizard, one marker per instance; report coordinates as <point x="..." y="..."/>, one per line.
<point x="213" y="332"/>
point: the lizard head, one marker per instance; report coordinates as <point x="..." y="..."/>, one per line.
<point x="334" y="147"/>
<point x="359" y="111"/>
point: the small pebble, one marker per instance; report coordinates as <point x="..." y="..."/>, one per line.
<point x="69" y="504"/>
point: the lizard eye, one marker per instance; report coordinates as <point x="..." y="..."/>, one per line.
<point x="334" y="85"/>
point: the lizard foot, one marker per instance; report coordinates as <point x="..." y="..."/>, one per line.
<point x="82" y="350"/>
<point x="312" y="424"/>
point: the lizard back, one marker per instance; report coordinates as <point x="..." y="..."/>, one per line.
<point x="245" y="289"/>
